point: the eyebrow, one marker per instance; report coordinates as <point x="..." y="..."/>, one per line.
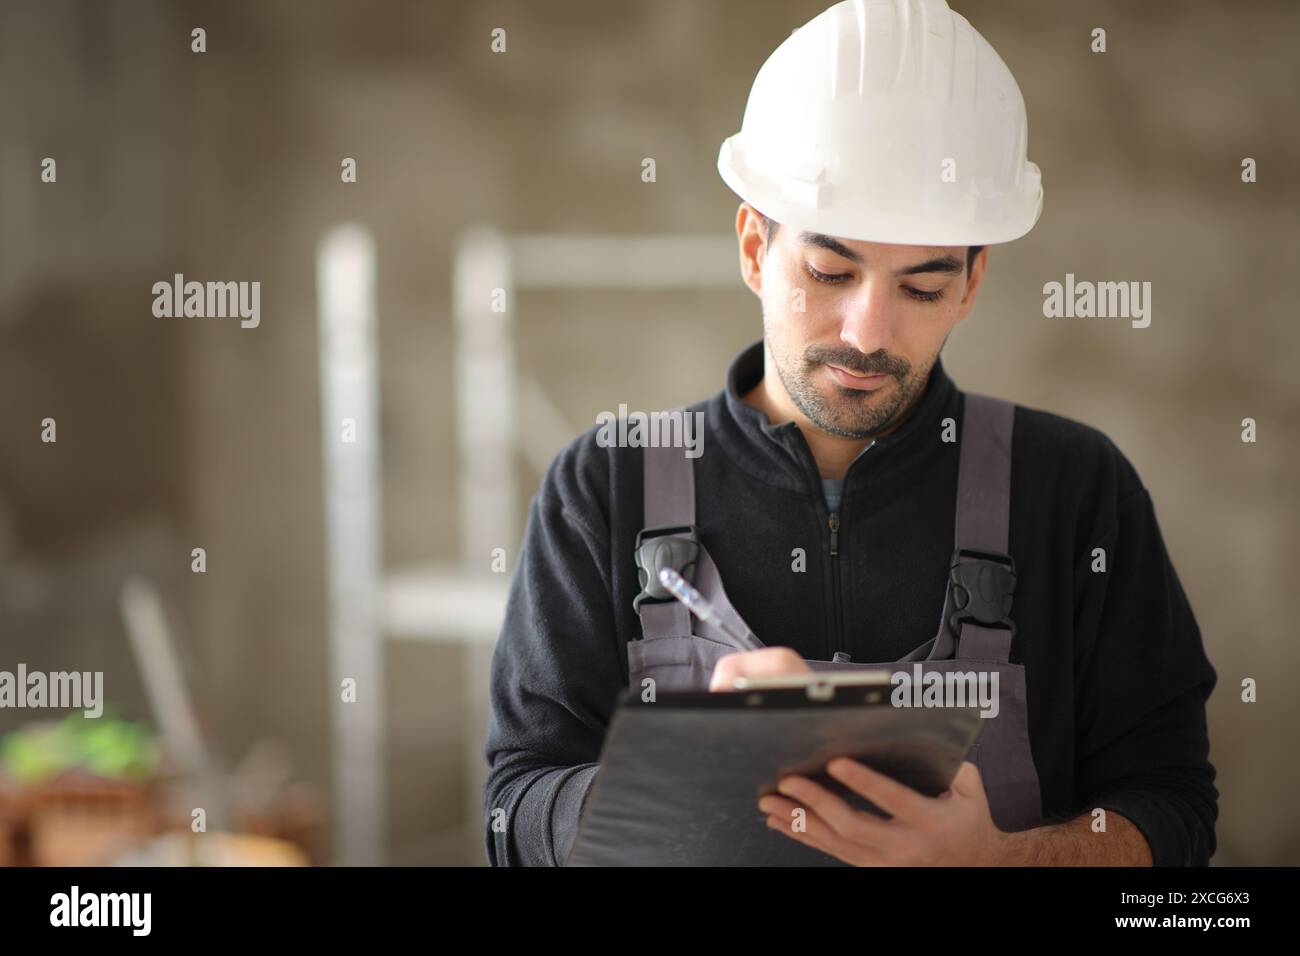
<point x="947" y="264"/>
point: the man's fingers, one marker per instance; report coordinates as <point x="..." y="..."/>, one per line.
<point x="819" y="835"/>
<point x="968" y="781"/>
<point x="766" y="662"/>
<point x="889" y="795"/>
<point x="783" y="827"/>
<point x="855" y="825"/>
<point x="782" y="808"/>
<point x="802" y="824"/>
<point x="798" y="817"/>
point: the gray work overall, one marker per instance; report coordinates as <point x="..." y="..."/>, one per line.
<point x="679" y="651"/>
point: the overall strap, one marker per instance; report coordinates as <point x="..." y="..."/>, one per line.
<point x="976" y="621"/>
<point x="669" y="539"/>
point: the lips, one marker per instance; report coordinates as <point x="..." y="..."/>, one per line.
<point x="851" y="380"/>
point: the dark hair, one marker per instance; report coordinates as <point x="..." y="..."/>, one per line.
<point x="773" y="226"/>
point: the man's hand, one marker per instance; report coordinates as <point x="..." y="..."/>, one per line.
<point x="767" y="662"/>
<point x="953" y="829"/>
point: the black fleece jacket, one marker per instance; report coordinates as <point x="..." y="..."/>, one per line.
<point x="1117" y="675"/>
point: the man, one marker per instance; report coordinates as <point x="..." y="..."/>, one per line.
<point x="838" y="461"/>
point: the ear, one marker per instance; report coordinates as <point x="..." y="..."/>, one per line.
<point x="753" y="246"/>
<point x="973" y="282"/>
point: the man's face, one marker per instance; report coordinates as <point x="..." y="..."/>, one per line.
<point x="853" y="327"/>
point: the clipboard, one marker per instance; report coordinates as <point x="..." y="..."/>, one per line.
<point x="680" y="777"/>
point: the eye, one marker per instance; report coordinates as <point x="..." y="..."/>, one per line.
<point x="828" y="278"/>
<point x="923" y="296"/>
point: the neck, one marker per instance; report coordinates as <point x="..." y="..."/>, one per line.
<point x="832" y="453"/>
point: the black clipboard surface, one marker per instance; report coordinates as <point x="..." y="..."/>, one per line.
<point x="680" y="777"/>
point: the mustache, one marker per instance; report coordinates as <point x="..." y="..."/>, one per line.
<point x="877" y="363"/>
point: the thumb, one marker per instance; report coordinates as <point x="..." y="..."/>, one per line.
<point x="968" y="782"/>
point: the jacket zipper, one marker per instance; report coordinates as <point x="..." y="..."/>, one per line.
<point x="833" y="523"/>
<point x="838" y="643"/>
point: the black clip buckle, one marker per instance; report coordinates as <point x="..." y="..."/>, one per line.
<point x="983" y="584"/>
<point x="676" y="547"/>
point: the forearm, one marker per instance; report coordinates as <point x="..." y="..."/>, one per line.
<point x="1075" y="843"/>
<point x="540" y="824"/>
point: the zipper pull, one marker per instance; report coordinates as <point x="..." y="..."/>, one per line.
<point x="835" y="534"/>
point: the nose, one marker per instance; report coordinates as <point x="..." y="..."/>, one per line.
<point x="867" y="318"/>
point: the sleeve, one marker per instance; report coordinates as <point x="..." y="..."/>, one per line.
<point x="1142" y="679"/>
<point x="556" y="673"/>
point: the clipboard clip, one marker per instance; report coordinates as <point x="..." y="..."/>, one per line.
<point x="821" y="690"/>
<point x="820" y="685"/>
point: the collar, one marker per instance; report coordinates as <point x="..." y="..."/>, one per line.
<point x="779" y="455"/>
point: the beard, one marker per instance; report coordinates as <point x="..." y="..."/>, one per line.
<point x="837" y="409"/>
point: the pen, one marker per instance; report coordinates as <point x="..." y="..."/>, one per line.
<point x="698" y="605"/>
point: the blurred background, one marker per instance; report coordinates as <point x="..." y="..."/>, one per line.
<point x="324" y="560"/>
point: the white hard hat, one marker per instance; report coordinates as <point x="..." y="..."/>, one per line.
<point x="887" y="121"/>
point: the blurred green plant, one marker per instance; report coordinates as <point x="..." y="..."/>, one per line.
<point x="105" y="746"/>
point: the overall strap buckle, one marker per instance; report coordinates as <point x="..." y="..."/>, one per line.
<point x="671" y="546"/>
<point x="982" y="584"/>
